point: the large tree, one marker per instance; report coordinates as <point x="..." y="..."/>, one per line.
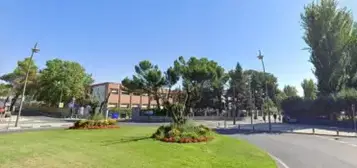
<point x="290" y="91"/>
<point x="309" y="88"/>
<point x="17" y="78"/>
<point x="258" y="86"/>
<point x="238" y="88"/>
<point x="148" y="79"/>
<point x="218" y="84"/>
<point x="61" y="81"/>
<point x="327" y="34"/>
<point x="196" y="74"/>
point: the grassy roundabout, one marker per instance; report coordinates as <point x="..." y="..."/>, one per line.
<point x="129" y="147"/>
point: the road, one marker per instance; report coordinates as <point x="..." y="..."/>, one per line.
<point x="306" y="151"/>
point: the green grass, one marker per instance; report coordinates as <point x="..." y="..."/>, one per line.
<point x="127" y="147"/>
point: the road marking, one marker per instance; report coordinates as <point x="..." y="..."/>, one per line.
<point x="278" y="160"/>
<point x="339" y="141"/>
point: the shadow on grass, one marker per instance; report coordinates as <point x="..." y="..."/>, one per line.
<point x="124" y="140"/>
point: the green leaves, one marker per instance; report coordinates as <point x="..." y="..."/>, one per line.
<point x="17" y="77"/>
<point x="148" y="79"/>
<point x="65" y="78"/>
<point x="327" y="34"/>
<point x="290" y="91"/>
<point x="309" y="88"/>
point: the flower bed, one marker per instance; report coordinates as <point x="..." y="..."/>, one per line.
<point x="94" y="124"/>
<point x="187" y="133"/>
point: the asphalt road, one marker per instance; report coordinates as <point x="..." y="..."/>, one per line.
<point x="306" y="151"/>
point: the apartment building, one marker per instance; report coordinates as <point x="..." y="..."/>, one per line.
<point x="119" y="97"/>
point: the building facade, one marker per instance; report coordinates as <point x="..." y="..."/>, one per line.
<point x="119" y="97"/>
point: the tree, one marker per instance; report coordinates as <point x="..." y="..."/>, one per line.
<point x="258" y="86"/>
<point x="196" y="74"/>
<point x="309" y="88"/>
<point x="350" y="78"/>
<point x="62" y="80"/>
<point x="238" y="88"/>
<point x="280" y="97"/>
<point x="17" y="79"/>
<point x="327" y="34"/>
<point x="218" y="84"/>
<point x="148" y="79"/>
<point x="172" y="76"/>
<point x="5" y="89"/>
<point x="290" y="91"/>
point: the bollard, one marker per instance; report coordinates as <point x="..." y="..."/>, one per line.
<point x="225" y="124"/>
<point x="238" y="126"/>
<point x="253" y="128"/>
<point x="337" y="132"/>
<point x="313" y="130"/>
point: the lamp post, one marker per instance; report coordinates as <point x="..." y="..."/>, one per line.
<point x="261" y="57"/>
<point x="33" y="51"/>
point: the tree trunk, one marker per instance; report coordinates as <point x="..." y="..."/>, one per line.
<point x="149" y="101"/>
<point x="157" y="98"/>
<point x="13" y="101"/>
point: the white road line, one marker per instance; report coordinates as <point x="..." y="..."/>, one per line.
<point x="339" y="141"/>
<point x="278" y="160"/>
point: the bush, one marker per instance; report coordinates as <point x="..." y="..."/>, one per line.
<point x="97" y="116"/>
<point x="82" y="124"/>
<point x="188" y="132"/>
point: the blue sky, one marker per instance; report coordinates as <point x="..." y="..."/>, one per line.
<point x="109" y="37"/>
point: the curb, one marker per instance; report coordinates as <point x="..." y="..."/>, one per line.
<point x="279" y="132"/>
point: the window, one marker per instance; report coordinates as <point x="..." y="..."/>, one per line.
<point x="114" y="91"/>
<point x="124" y="106"/>
<point x="112" y="105"/>
<point x="124" y="92"/>
<point x="135" y="105"/>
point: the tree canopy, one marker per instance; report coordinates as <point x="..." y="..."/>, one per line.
<point x="327" y="34"/>
<point x="290" y="91"/>
<point x="62" y="79"/>
<point x="149" y="79"/>
<point x="309" y="88"/>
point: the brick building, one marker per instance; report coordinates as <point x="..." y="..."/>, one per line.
<point x="119" y="97"/>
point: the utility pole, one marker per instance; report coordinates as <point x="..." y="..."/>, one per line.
<point x="34" y="50"/>
<point x="261" y="57"/>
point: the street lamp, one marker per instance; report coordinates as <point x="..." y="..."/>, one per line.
<point x="261" y="57"/>
<point x="33" y="50"/>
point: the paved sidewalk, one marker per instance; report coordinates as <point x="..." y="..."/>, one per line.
<point x="285" y="128"/>
<point x="32" y="123"/>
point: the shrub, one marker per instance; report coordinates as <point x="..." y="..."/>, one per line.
<point x="94" y="124"/>
<point x="174" y="132"/>
<point x="97" y="116"/>
<point x="185" y="133"/>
